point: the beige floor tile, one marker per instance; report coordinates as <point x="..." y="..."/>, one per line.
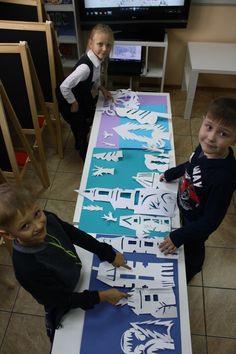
<point x="224" y="236"/>
<point x="195" y="124"/>
<point x="26" y="334"/>
<point x="72" y="162"/>
<point x="199" y="345"/>
<point x="52" y="159"/>
<point x="32" y="181"/>
<point x="223" y="92"/>
<point x="4" y="319"/>
<point x="196" y="312"/>
<point x="219" y="268"/>
<point x="183" y="145"/>
<point x="220" y="310"/>
<point x="180" y="159"/>
<point x="196" y="280"/>
<point x="64" y="185"/>
<point x="5" y="258"/>
<point x="177" y="107"/>
<point x="195" y="142"/>
<point x="181" y="126"/>
<point x="202" y="99"/>
<point x="25" y="303"/>
<point x="221" y="345"/>
<point x="7" y="296"/>
<point x="176" y="94"/>
<point x="64" y="210"/>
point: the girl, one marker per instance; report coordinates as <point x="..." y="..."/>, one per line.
<point x="75" y="100"/>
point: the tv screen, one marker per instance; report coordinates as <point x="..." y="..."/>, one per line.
<point x="141" y="19"/>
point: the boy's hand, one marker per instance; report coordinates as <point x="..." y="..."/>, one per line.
<point x="167" y="246"/>
<point x="162" y="178"/>
<point x="120" y="261"/>
<point x="113" y="296"/>
<point x="74" y="107"/>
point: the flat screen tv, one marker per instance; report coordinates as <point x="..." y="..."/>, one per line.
<point x="135" y="19"/>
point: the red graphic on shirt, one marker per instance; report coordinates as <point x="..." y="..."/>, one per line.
<point x="188" y="196"/>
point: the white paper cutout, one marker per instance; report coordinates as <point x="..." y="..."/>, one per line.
<point x="157" y="302"/>
<point x="106" y="134"/>
<point x="145" y="224"/>
<point x="158" y="133"/>
<point x="99" y="171"/>
<point x="151" y="275"/>
<point x="153" y="162"/>
<point x="141" y="116"/>
<point x="144" y="200"/>
<point x="152" y="180"/>
<point x="149" y="245"/>
<point x="92" y="207"/>
<point x="109" y="217"/>
<point x="110" y="155"/>
<point x="147" y="337"/>
<point x="108" y="144"/>
<point x="122" y="98"/>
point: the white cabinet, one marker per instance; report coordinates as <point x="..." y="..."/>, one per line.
<point x="154" y="61"/>
<point x="64" y="15"/>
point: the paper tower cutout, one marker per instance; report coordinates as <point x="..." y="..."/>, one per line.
<point x="152" y="275"/>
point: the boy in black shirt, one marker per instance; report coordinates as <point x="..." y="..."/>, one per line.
<point x="44" y="258"/>
<point x="207" y="183"/>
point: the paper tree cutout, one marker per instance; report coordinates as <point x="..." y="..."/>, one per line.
<point x="145" y="224"/>
<point x="156" y="302"/>
<point x="109" y="217"/>
<point x="156" y="136"/>
<point x="99" y="171"/>
<point x="141" y="116"/>
<point x="92" y="207"/>
<point x="153" y="162"/>
<point x="152" y="275"/>
<point x="149" y="245"/>
<point x="110" y="155"/>
<point x="149" y="337"/>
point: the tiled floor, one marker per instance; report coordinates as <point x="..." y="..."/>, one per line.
<point x="212" y="294"/>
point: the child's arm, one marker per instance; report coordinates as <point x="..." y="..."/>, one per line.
<point x="112" y="296"/>
<point x="173" y="173"/>
<point x="106" y="94"/>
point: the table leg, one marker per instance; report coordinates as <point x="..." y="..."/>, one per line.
<point x="193" y="77"/>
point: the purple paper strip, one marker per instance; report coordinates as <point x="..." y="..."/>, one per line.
<point x="107" y="123"/>
<point x="153" y="100"/>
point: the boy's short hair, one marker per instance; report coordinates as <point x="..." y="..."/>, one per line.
<point x="13" y="198"/>
<point x="223" y="109"/>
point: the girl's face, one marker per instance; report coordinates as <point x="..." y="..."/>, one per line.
<point x="29" y="228"/>
<point x="100" y="44"/>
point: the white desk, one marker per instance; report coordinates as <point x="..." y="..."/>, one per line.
<point x="68" y="339"/>
<point x="210" y="58"/>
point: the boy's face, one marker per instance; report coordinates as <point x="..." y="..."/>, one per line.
<point x="215" y="137"/>
<point x="29" y="228"/>
<point x="100" y="44"/>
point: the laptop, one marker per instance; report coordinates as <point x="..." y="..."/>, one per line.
<point x="125" y="59"/>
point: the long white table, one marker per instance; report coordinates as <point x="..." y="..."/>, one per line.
<point x="68" y="338"/>
<point x="208" y="58"/>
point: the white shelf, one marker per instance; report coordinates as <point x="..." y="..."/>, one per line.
<point x="70" y="18"/>
<point x="152" y="67"/>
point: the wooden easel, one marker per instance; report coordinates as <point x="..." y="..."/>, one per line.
<point x="41" y="40"/>
<point x="35" y="6"/>
<point x="24" y="92"/>
<point x="10" y="129"/>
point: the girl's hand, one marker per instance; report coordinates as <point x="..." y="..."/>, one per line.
<point x="106" y="94"/>
<point x="112" y="296"/>
<point x="120" y="261"/>
<point x="74" y="107"/>
<point x="167" y="246"/>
